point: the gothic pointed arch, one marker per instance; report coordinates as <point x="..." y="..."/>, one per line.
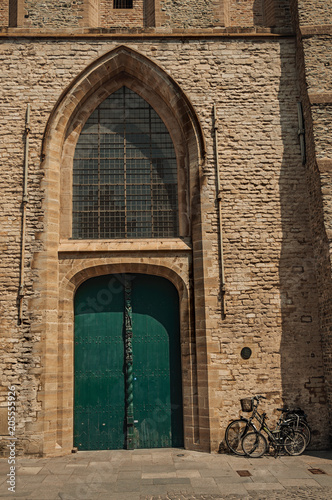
<point x="125" y="67"/>
<point x="59" y="252"/>
<point x="109" y="72"/>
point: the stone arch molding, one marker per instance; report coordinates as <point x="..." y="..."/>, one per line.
<point x="122" y="66"/>
<point x="68" y="285"/>
<point x="79" y="274"/>
<point x="114" y="66"/>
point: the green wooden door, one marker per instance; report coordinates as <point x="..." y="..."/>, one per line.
<point x="99" y="414"/>
<point x="114" y="390"/>
<point x="156" y="363"/>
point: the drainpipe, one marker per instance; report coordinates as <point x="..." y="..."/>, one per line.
<point x="24" y="207"/>
<point x="219" y="199"/>
<point x="301" y="131"/>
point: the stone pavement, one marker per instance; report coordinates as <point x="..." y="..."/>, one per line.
<point x="173" y="474"/>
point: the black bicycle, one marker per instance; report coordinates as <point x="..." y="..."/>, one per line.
<point x="237" y="429"/>
<point x="283" y="437"/>
<point x="296" y="419"/>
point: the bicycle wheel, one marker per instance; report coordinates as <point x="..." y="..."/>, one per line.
<point x="254" y="444"/>
<point x="234" y="434"/>
<point x="302" y="427"/>
<point x="295" y="443"/>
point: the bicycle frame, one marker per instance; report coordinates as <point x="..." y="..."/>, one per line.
<point x="275" y="436"/>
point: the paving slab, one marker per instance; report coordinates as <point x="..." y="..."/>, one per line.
<point x="153" y="490"/>
<point x="264" y="486"/>
<point x="291" y="473"/>
<point x="236" y="490"/>
<point x="52" y="494"/>
<point x="204" y="485"/>
<point x="188" y="473"/>
<point x="218" y="472"/>
<point x="233" y="479"/>
<point x="57" y="469"/>
<point x="29" y="470"/>
<point x="171" y="481"/>
<point x="324" y="480"/>
<point x="31" y="480"/>
<point x="263" y="476"/>
<point x="304" y="482"/>
<point x="118" y="496"/>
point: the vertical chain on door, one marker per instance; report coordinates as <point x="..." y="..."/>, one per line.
<point x="129" y="365"/>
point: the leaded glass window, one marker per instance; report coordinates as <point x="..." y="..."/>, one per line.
<point x="125" y="173"/>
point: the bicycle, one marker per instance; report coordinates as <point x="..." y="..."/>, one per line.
<point x="283" y="436"/>
<point x="296" y="419"/>
<point x="238" y="428"/>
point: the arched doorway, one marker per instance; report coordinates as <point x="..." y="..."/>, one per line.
<point x="128" y="390"/>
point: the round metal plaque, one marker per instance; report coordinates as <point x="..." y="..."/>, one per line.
<point x="246" y="353"/>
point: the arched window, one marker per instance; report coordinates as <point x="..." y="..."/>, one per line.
<point x="125" y="173"/>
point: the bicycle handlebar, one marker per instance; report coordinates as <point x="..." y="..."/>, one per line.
<point x="258" y="397"/>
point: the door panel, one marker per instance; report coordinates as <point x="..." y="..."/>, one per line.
<point x="99" y="356"/>
<point x="100" y="382"/>
<point x="157" y="363"/>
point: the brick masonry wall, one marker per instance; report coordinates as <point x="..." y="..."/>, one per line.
<point x="282" y="13"/>
<point x="269" y="262"/>
<point x="322" y="119"/>
<point x="53" y="13"/>
<point x="124" y="18"/>
<point x="162" y="13"/>
<point x="314" y="12"/>
<point x="4" y="13"/>
<point x="246" y="13"/>
<point x="188" y="14"/>
<point x="318" y="62"/>
<point x="314" y="70"/>
<point x="21" y="368"/>
<point x="149" y="13"/>
<point x="91" y="13"/>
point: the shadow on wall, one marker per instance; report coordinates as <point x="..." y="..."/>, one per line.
<point x="258" y="12"/>
<point x="302" y="369"/>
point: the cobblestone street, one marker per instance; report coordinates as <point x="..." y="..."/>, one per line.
<point x="169" y="474"/>
<point x="287" y="494"/>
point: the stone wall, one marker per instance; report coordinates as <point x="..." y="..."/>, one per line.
<point x="22" y="368"/>
<point x="271" y="282"/>
<point x="314" y="12"/>
<point x="318" y="62"/>
<point x="203" y="14"/>
<point x="4" y="13"/>
<point x="246" y="13"/>
<point x="53" y="14"/>
<point x="121" y="18"/>
<point x="149" y="13"/>
<point x="187" y="14"/>
<point x="91" y="13"/>
<point x="322" y="118"/>
<point x="312" y="22"/>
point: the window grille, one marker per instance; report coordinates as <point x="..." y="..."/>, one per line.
<point x="125" y="173"/>
<point x="122" y="4"/>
